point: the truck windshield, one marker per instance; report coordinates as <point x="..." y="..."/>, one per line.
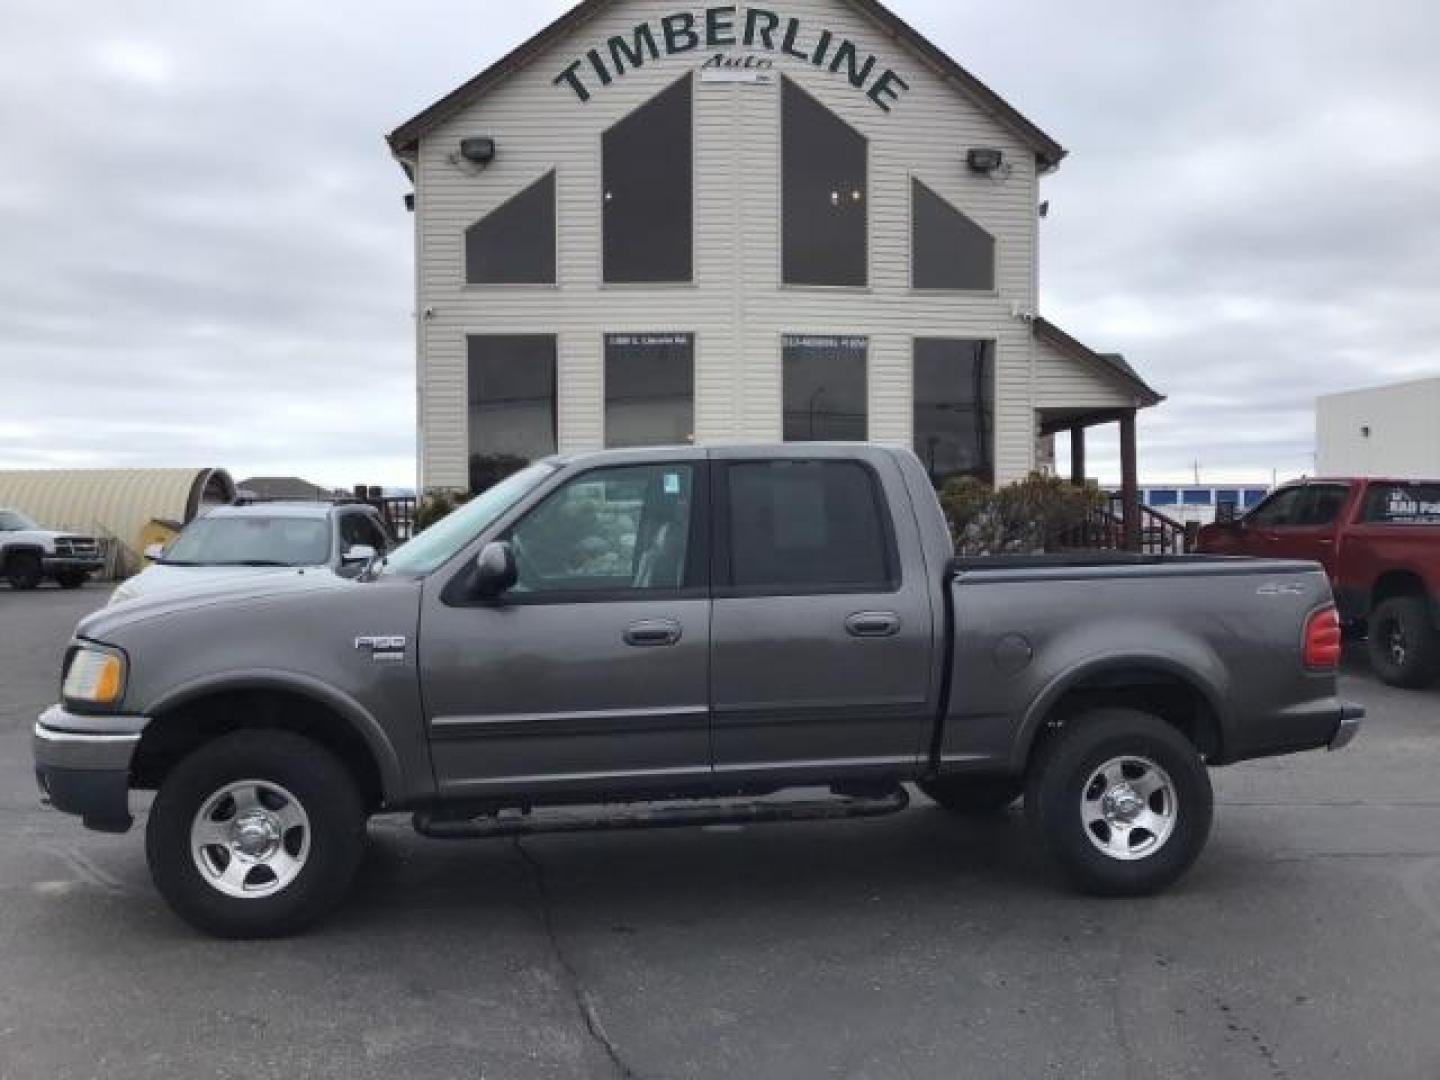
<point x="448" y="535"/>
<point x="252" y="541"/>
<point x="14" y="521"/>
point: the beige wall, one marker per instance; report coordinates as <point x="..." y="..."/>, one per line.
<point x="736" y="306"/>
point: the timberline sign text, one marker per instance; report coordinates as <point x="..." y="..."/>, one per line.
<point x="725" y="28"/>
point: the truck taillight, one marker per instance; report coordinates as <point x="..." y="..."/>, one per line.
<point x="1322" y="640"/>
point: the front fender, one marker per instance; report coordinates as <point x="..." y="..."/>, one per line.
<point x="387" y="760"/>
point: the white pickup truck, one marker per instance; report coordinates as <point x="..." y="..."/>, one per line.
<point x="30" y="554"/>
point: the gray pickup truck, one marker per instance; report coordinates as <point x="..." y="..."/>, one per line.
<point x="679" y="636"/>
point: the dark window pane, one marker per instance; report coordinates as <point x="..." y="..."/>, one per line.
<point x="515" y="243"/>
<point x="648" y="201"/>
<point x="1197" y="496"/>
<point x="1253" y="496"/>
<point x="649" y="389"/>
<point x="824" y="388"/>
<point x="512" y="403"/>
<point x="1321" y="504"/>
<point x="1164" y="497"/>
<point x="1279" y="509"/>
<point x="1403" y="504"/>
<point x="824" y="194"/>
<point x="954" y="419"/>
<point x="948" y="250"/>
<point x="807" y="525"/>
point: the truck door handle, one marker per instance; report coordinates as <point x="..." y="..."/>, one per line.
<point x="873" y="624"/>
<point x="652" y="632"/>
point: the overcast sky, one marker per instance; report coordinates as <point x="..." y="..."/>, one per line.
<point x="205" y="259"/>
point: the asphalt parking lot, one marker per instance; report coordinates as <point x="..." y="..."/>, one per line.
<point x="1305" y="944"/>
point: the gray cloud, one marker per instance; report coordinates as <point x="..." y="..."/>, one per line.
<point x="206" y="261"/>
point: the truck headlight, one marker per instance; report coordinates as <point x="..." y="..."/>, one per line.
<point x="94" y="676"/>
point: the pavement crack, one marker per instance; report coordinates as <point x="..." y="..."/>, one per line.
<point x="583" y="1003"/>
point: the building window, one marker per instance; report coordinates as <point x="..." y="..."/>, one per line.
<point x="512" y="404"/>
<point x="514" y="244"/>
<point x="954" y="420"/>
<point x="1198" y="496"/>
<point x="649" y="206"/>
<point x="947" y="249"/>
<point x="1163" y="497"/>
<point x="649" y="389"/>
<point x="823" y="194"/>
<point x="1254" y="496"/>
<point x="825" y="397"/>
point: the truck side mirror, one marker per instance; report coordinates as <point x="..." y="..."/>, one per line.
<point x="495" y="570"/>
<point x="358" y="553"/>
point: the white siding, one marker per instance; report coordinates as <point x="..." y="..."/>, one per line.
<point x="1063" y="381"/>
<point x="736" y="306"/>
<point x="1404" y="425"/>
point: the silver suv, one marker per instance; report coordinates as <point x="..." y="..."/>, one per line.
<point x="231" y="543"/>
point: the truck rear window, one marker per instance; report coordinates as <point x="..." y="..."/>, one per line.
<point x="1403" y="504"/>
<point x="805" y="527"/>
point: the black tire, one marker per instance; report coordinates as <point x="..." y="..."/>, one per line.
<point x="23" y="570"/>
<point x="974" y="796"/>
<point x="319" y="783"/>
<point x="1056" y="798"/>
<point x="1404" y="644"/>
<point x="71" y="579"/>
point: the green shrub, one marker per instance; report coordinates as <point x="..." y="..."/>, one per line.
<point x="435" y="506"/>
<point x="1018" y="519"/>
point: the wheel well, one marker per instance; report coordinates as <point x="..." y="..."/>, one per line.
<point x="1161" y="693"/>
<point x="7" y="553"/>
<point x="1396" y="583"/>
<point x="174" y="734"/>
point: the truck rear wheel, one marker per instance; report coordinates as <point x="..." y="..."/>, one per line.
<point x="23" y="570"/>
<point x="1121" y="800"/>
<point x="1404" y="644"/>
<point x="257" y="834"/>
<point x="974" y="795"/>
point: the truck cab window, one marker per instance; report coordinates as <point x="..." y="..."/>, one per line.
<point x="806" y="526"/>
<point x="610" y="530"/>
<point x="1279" y="509"/>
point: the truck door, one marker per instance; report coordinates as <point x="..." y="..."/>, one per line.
<point x="821" y="640"/>
<point x="1304" y="525"/>
<point x="592" y="673"/>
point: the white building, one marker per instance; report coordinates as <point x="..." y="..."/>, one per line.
<point x="655" y="222"/>
<point x="1386" y="431"/>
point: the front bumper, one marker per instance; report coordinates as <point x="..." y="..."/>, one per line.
<point x="60" y="564"/>
<point x="82" y="764"/>
<point x="1350" y="716"/>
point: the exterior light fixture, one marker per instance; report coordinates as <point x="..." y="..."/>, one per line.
<point x="984" y="159"/>
<point x="478" y="150"/>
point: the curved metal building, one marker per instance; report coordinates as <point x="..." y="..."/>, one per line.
<point x="117" y="504"/>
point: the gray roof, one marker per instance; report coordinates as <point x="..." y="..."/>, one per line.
<point x="284" y="487"/>
<point x="1047" y="151"/>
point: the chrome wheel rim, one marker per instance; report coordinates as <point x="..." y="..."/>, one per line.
<point x="1128" y="808"/>
<point x="250" y="839"/>
<point x="1395" y="644"/>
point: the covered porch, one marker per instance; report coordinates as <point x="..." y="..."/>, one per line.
<point x="1078" y="389"/>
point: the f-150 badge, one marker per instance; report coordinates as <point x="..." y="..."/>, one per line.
<point x="382" y="649"/>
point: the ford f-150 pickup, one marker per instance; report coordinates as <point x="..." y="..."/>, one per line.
<point x="659" y="637"/>
<point x="1379" y="542"/>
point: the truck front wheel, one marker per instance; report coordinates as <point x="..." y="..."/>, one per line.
<point x="257" y="834"/>
<point x="1404" y="644"/>
<point x="23" y="570"/>
<point x="1121" y="800"/>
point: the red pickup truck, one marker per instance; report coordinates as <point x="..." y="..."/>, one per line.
<point x="1379" y="541"/>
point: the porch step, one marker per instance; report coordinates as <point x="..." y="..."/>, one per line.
<point x="666" y="815"/>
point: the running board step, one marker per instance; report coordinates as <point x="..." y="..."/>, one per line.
<point x="672" y="815"/>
